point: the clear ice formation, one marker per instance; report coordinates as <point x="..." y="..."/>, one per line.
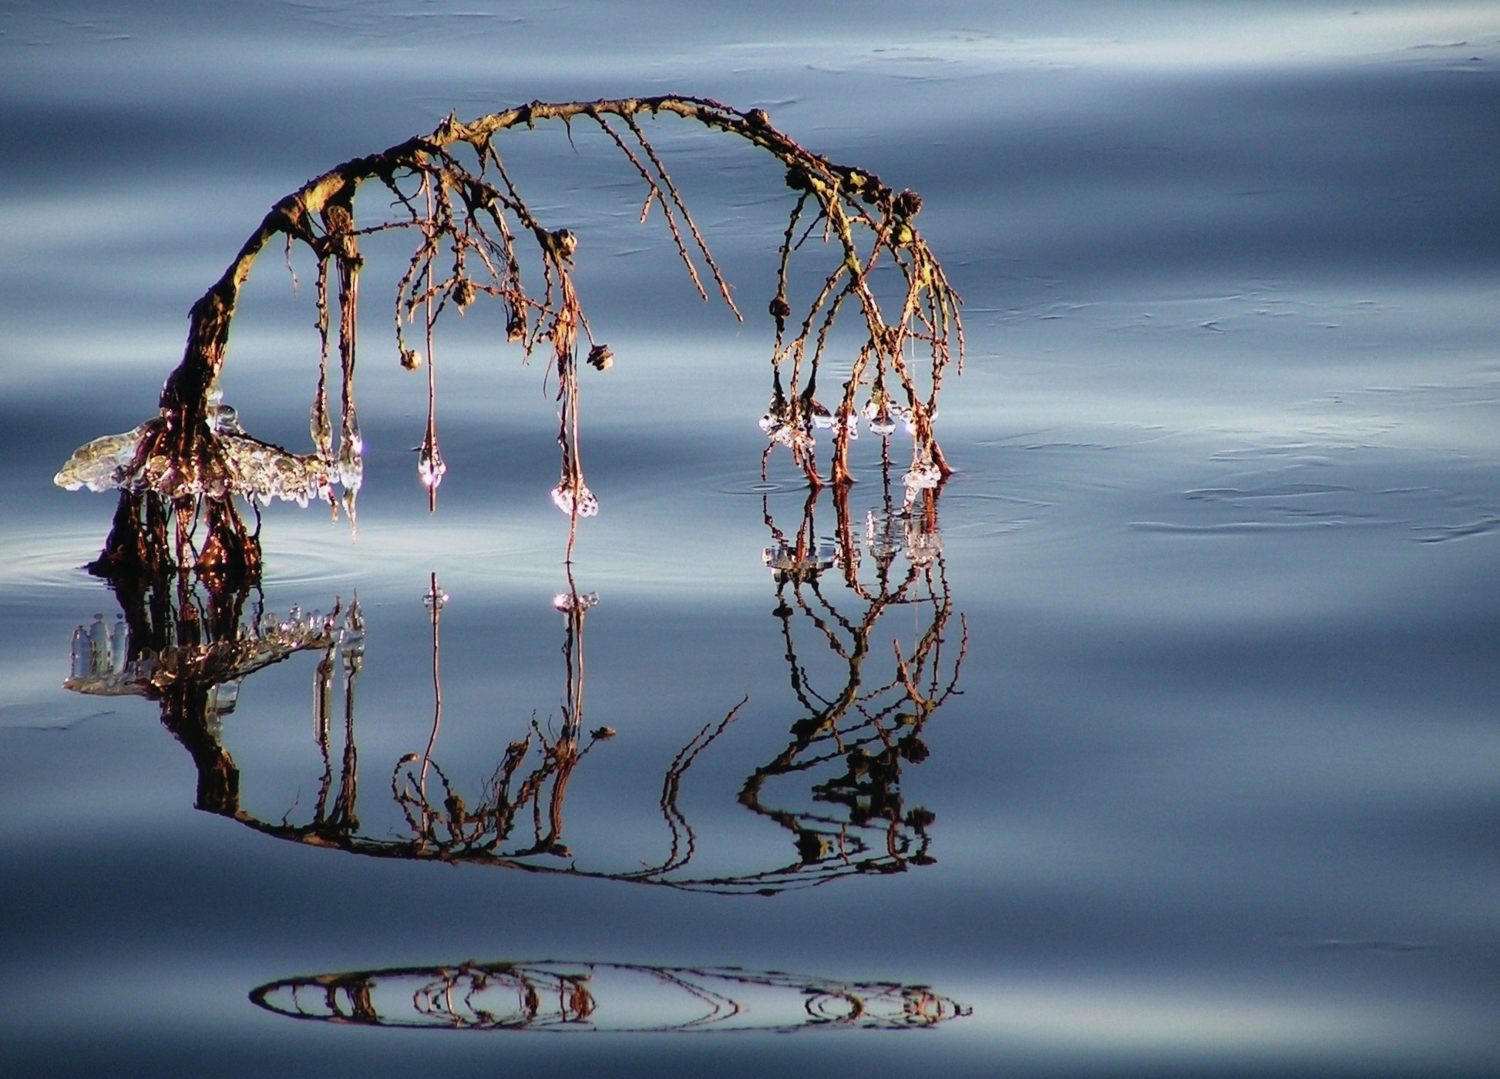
<point x="562" y="498"/>
<point x="575" y="601"/>
<point x="430" y="466"/>
<point x="252" y="468"/>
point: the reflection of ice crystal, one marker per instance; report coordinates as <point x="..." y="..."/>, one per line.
<point x="890" y="534"/>
<point x="923" y="475"/>
<point x="97" y="652"/>
<point x="562" y="498"/>
<point x="884" y="535"/>
<point x="351" y="636"/>
<point x="224" y="419"/>
<point x="922" y="546"/>
<point x="574" y="601"/>
<point x="788" y="562"/>
<point x="101" y="663"/>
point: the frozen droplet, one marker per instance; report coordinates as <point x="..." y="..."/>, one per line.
<point x="767" y="422"/>
<point x="435" y="600"/>
<point x="354" y="442"/>
<point x="564" y="499"/>
<point x="430" y="465"/>
<point x="574" y="601"/>
<point x="223" y="697"/>
<point x="911" y="420"/>
<point x="224" y="419"/>
<point x="821" y="417"/>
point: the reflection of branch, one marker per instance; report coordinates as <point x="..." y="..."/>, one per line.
<point x="188" y="643"/>
<point x="561" y="996"/>
<point x="872" y="730"/>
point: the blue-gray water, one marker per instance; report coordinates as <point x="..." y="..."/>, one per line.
<point x="1218" y="791"/>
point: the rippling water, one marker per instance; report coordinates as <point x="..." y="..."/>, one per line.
<point x="1184" y="760"/>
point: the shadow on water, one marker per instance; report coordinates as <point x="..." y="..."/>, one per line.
<point x="566" y="997"/>
<point x="189" y="643"/>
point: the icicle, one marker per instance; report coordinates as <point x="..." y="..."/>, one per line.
<point x="101" y="658"/>
<point x="430" y="466"/>
<point x="83" y="652"/>
<point x="120" y="642"/>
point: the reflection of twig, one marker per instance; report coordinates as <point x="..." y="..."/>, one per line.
<point x="857" y="822"/>
<point x="557" y="996"/>
<point x="678" y="824"/>
<point x="434" y="600"/>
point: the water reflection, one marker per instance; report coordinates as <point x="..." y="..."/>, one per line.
<point x="863" y="701"/>
<point x="575" y="997"/>
<point x="858" y="823"/>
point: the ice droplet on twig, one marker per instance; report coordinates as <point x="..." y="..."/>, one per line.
<point x="574" y="601"/>
<point x="563" y="499"/>
<point x="430" y="466"/>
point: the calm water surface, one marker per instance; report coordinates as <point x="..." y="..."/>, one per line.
<point x="1198" y="766"/>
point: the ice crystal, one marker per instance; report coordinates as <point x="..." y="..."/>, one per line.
<point x="102" y="464"/>
<point x="792" y="562"/>
<point x="574" y="601"/>
<point x="563" y="498"/>
<point x="430" y="466"/>
<point x="262" y="471"/>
